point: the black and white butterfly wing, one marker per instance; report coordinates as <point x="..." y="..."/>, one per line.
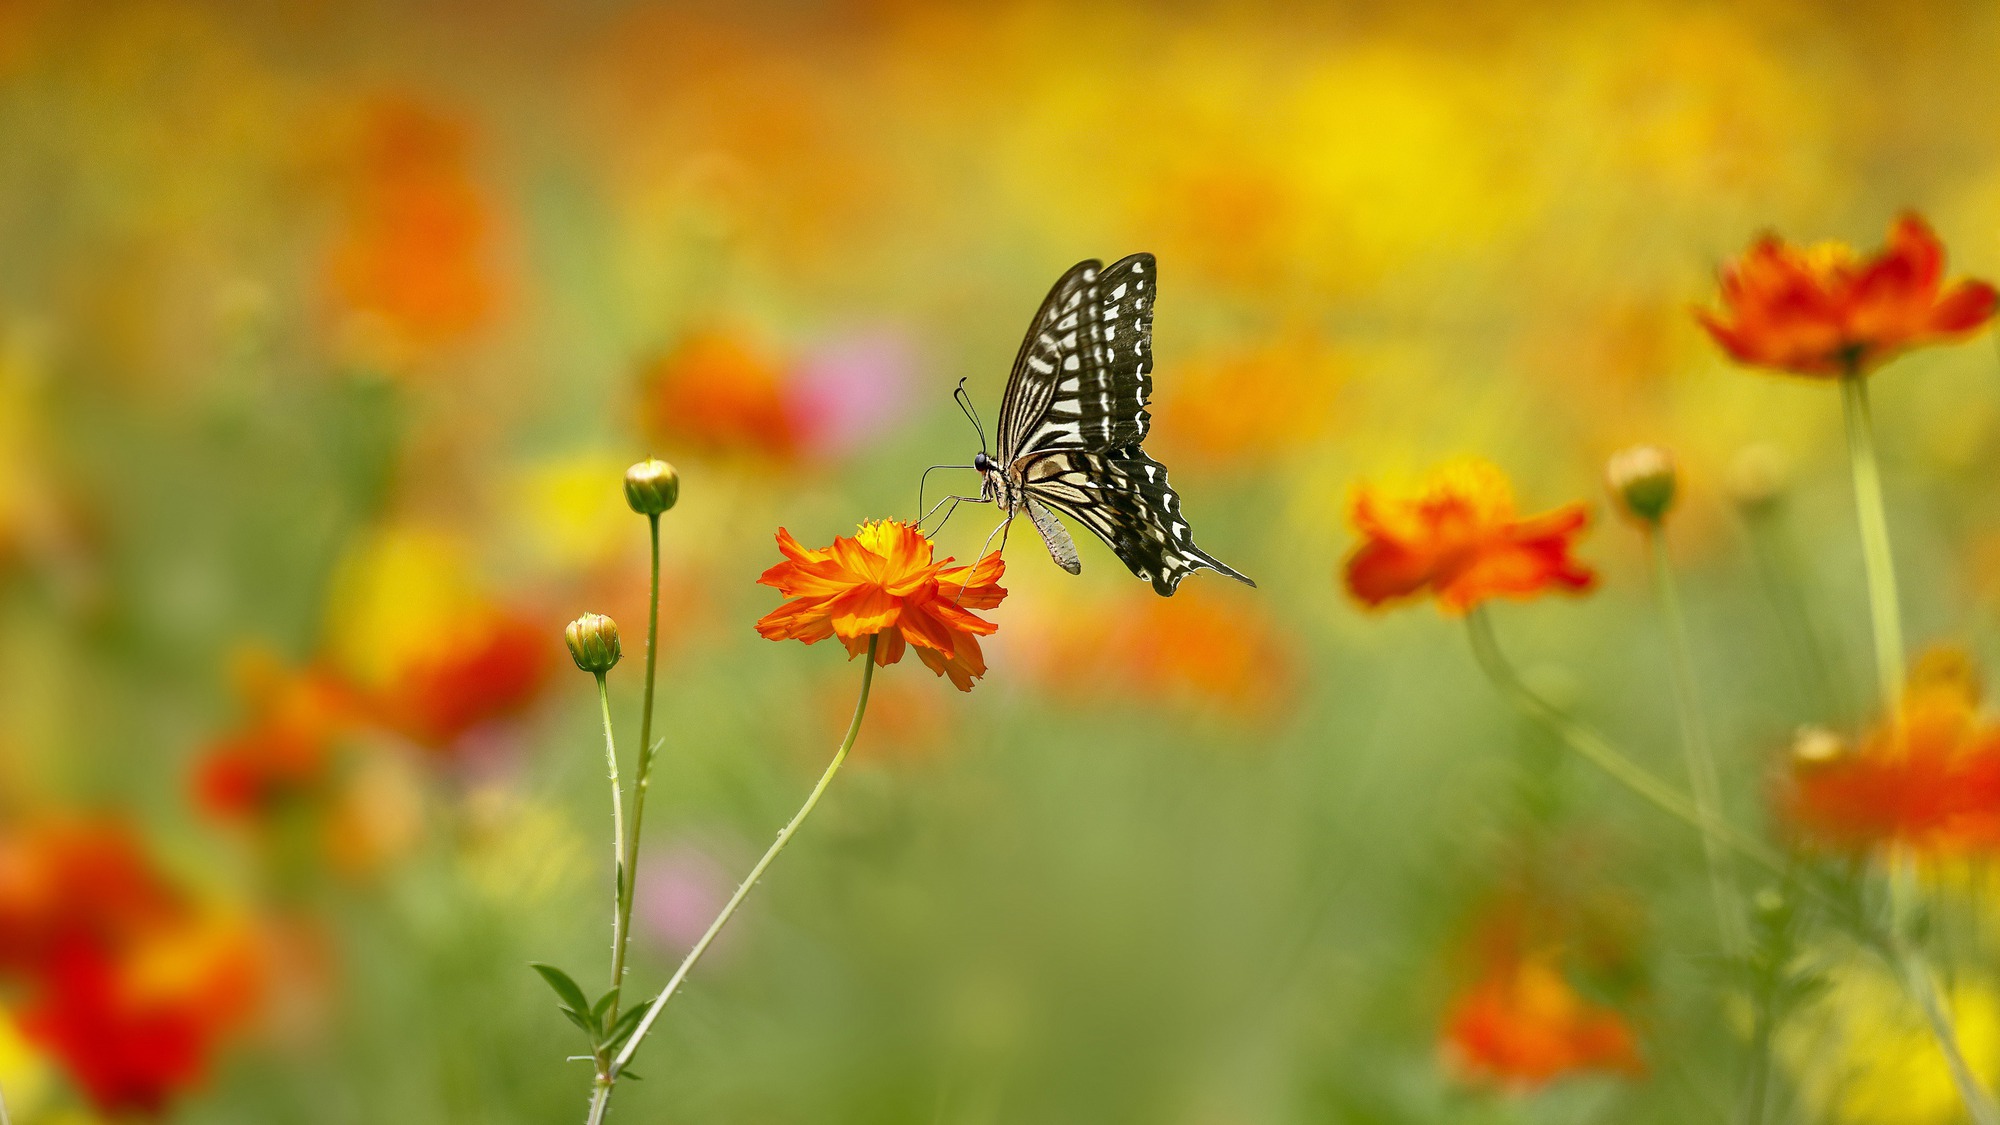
<point x="1123" y="497"/>
<point x="1074" y="414"/>
<point x="1084" y="372"/>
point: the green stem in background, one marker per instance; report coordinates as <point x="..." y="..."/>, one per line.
<point x="1600" y="753"/>
<point x="1702" y="776"/>
<point x="641" y="781"/>
<point x="1886" y="616"/>
<point x="1876" y="557"/>
<point x="621" y="910"/>
<point x="1783" y="575"/>
<point x="601" y="1096"/>
<point x="4" y="1120"/>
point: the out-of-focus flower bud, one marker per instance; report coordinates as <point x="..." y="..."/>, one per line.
<point x="652" y="486"/>
<point x="593" y="642"/>
<point x="1757" y="478"/>
<point x="1643" y="480"/>
<point x="1815" y="746"/>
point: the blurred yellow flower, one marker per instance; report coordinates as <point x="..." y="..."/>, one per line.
<point x="569" y="509"/>
<point x="1862" y="1054"/>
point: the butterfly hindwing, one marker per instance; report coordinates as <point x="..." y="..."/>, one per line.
<point x="1123" y="497"/>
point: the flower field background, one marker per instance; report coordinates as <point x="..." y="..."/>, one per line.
<point x="326" y="334"/>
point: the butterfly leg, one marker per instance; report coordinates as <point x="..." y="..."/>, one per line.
<point x="954" y="501"/>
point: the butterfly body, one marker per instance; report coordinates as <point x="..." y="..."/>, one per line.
<point x="1072" y="421"/>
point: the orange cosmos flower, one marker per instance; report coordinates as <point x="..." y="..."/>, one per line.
<point x="1457" y="536"/>
<point x="884" y="583"/>
<point x="1934" y="785"/>
<point x="124" y="976"/>
<point x="416" y="246"/>
<point x="493" y="669"/>
<point x="1822" y="311"/>
<point x="1520" y="1022"/>
<point x="716" y="393"/>
<point x="1523" y="1025"/>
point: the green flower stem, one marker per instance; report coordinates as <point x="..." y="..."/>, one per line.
<point x="1702" y="776"/>
<point x="1600" y="753"/>
<point x="1878" y="560"/>
<point x="4" y="1120"/>
<point x="641" y="781"/>
<point x="621" y="910"/>
<point x="1886" y="616"/>
<point x="602" y="1095"/>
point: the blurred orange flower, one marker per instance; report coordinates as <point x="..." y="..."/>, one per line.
<point x="1199" y="648"/>
<point x="883" y="582"/>
<point x="1457" y="536"/>
<point x="1824" y="312"/>
<point x="1933" y="784"/>
<point x="415" y="249"/>
<point x="280" y="754"/>
<point x="717" y="394"/>
<point x="126" y="979"/>
<point x="493" y="669"/>
<point x="1522" y="1024"/>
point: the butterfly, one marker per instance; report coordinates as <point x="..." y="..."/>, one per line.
<point x="1071" y="423"/>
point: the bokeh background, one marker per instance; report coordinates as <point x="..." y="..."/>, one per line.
<point x="327" y="330"/>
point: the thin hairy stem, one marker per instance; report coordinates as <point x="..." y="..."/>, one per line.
<point x="642" y="779"/>
<point x="601" y="1094"/>
<point x="1703" y="779"/>
<point x="620" y="911"/>
<point x="1600" y="753"/>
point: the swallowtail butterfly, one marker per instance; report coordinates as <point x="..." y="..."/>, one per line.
<point x="1071" y="423"/>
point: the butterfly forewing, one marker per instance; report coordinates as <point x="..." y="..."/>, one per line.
<point x="1084" y="374"/>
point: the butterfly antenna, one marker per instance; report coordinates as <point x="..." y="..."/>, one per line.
<point x="971" y="413"/>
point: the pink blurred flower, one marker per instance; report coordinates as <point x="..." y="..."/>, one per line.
<point x="852" y="389"/>
<point x="682" y="887"/>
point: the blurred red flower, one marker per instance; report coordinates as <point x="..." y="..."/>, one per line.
<point x="281" y="752"/>
<point x="494" y="668"/>
<point x="1933" y="784"/>
<point x="126" y="979"/>
<point x="715" y="393"/>
<point x="1457" y="537"/>
<point x="415" y="250"/>
<point x="1823" y="311"/>
<point x="883" y="582"/>
<point x="1522" y="1024"/>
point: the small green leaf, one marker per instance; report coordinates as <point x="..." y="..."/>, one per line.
<point x="627" y="1020"/>
<point x="587" y="1027"/>
<point x="602" y="1006"/>
<point x="566" y="989"/>
<point x="629" y="1076"/>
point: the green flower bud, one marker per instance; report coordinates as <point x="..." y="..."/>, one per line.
<point x="652" y="486"/>
<point x="1643" y="481"/>
<point x="593" y="642"/>
<point x="1757" y="478"/>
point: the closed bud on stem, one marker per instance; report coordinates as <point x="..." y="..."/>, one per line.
<point x="652" y="486"/>
<point x="593" y="642"/>
<point x="1643" y="482"/>
<point x="1757" y="478"/>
